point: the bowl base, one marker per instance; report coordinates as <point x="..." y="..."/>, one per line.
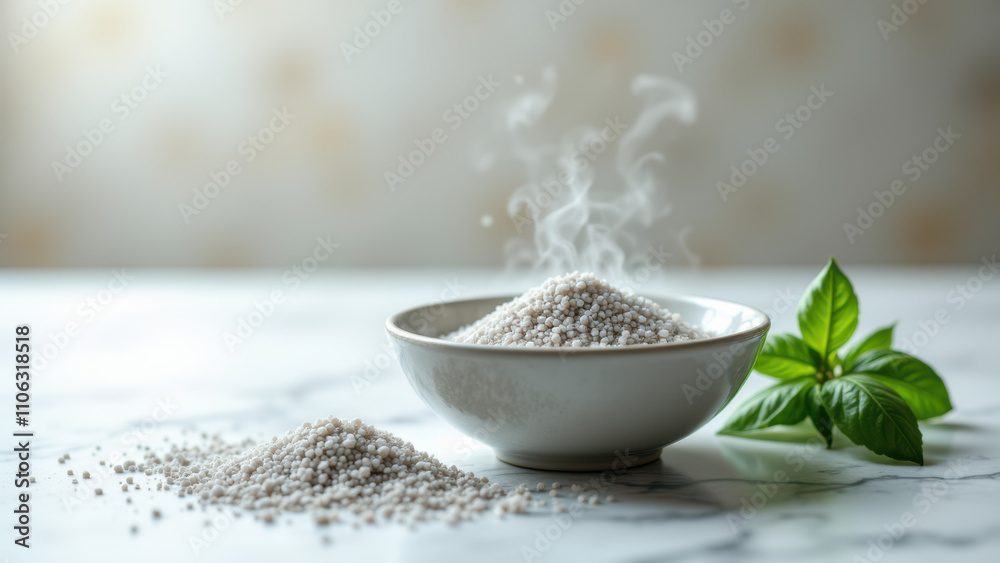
<point x="614" y="462"/>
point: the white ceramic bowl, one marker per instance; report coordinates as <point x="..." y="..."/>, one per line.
<point x="578" y="409"/>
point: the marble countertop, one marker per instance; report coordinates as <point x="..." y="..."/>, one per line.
<point x="146" y="359"/>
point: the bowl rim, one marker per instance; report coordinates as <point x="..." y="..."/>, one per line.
<point x="393" y="328"/>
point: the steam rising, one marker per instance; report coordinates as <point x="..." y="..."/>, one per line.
<point x="573" y="213"/>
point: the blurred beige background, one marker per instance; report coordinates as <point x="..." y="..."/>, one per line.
<point x="179" y="86"/>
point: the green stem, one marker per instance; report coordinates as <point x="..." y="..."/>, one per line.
<point x="825" y="373"/>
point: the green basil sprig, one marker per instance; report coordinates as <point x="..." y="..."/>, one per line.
<point x="873" y="394"/>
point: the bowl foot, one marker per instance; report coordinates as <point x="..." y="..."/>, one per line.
<point x="615" y="462"/>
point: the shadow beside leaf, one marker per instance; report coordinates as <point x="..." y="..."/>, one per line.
<point x="801" y="433"/>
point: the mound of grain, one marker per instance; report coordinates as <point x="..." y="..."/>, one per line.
<point x="577" y="310"/>
<point x="328" y="466"/>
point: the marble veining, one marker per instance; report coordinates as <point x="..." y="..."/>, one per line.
<point x="708" y="498"/>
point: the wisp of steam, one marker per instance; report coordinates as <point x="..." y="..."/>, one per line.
<point x="573" y="214"/>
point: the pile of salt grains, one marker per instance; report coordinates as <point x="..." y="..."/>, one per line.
<point x="577" y="310"/>
<point x="325" y="468"/>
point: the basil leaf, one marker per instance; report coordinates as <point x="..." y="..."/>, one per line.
<point x="874" y="416"/>
<point x="787" y="356"/>
<point x="880" y="339"/>
<point x="783" y="403"/>
<point x="913" y="380"/>
<point x="818" y="415"/>
<point x="828" y="311"/>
